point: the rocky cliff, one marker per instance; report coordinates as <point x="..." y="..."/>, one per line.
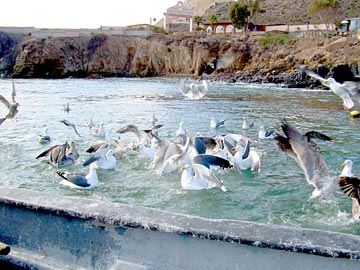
<point x="274" y="58"/>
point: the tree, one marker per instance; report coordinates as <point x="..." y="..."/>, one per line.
<point x="198" y="20"/>
<point x="242" y="11"/>
<point x="239" y="14"/>
<point x="326" y="9"/>
<point x="213" y="19"/>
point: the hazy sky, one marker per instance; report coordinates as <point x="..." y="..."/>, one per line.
<point x="81" y="13"/>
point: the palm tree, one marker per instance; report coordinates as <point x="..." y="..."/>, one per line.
<point x="198" y="20"/>
<point x="213" y="19"/>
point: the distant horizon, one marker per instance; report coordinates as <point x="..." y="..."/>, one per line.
<point x="81" y="14"/>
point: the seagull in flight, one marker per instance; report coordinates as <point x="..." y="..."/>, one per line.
<point x="11" y="105"/>
<point x="69" y="124"/>
<point x="347" y="91"/>
<point x="307" y="154"/>
<point x="194" y="90"/>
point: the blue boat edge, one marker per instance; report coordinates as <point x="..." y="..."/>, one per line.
<point x="58" y="232"/>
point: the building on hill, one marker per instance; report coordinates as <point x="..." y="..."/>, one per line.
<point x="178" y="14"/>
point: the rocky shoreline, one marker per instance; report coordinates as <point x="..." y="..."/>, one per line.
<point x="252" y="59"/>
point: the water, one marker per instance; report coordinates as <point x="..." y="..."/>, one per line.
<point x="279" y="194"/>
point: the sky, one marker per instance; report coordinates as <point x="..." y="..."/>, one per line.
<point x="81" y="13"/>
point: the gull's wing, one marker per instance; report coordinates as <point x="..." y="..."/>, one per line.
<point x="69" y="124"/>
<point x="48" y="151"/>
<point x="204" y="173"/>
<point x="204" y="88"/>
<point x="208" y="160"/>
<point x="131" y="128"/>
<point x="76" y="179"/>
<point x="350" y="186"/>
<point x="185" y="89"/>
<point x="5" y="101"/>
<point x="316" y="76"/>
<point x="353" y="88"/>
<point x="13" y="92"/>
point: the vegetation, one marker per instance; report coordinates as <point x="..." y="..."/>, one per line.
<point x="325" y="9"/>
<point x="276" y="39"/>
<point x="238" y="14"/>
<point x="213" y="19"/>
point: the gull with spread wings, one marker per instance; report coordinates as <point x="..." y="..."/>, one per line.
<point x="11" y="105"/>
<point x="347" y="91"/>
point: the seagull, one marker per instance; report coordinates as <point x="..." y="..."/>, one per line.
<point x="98" y="151"/>
<point x="11" y="105"/>
<point x="181" y="130"/>
<point x="307" y="154"/>
<point x="197" y="177"/>
<point x="350" y="185"/>
<point x="345" y="91"/>
<point x="69" y="124"/>
<point x="59" y="155"/>
<point x="216" y="124"/>
<point x="98" y="131"/>
<point x="266" y="134"/>
<point x="90" y="122"/>
<point x="79" y="180"/>
<point x="44" y="138"/>
<point x="194" y="90"/>
<point x="105" y="161"/>
<point x="245" y="124"/>
<point x="153" y="120"/>
<point x="67" y="107"/>
<point x="246" y="158"/>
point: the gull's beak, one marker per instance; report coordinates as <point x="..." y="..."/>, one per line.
<point x="343" y="164"/>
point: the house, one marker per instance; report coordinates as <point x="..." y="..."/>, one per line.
<point x="178" y="14"/>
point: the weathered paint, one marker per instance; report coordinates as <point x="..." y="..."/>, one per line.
<point x="56" y="232"/>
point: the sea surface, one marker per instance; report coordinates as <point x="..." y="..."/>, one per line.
<point x="278" y="194"/>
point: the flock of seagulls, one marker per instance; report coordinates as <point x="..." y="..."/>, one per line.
<point x="202" y="159"/>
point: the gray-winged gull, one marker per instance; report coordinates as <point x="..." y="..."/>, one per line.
<point x="214" y="124"/>
<point x="307" y="154"/>
<point x="266" y="133"/>
<point x="60" y="155"/>
<point x="80" y="180"/>
<point x="44" y="137"/>
<point x="246" y="158"/>
<point x="69" y="124"/>
<point x="246" y="124"/>
<point x="197" y="177"/>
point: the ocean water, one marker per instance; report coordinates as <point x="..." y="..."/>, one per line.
<point x="278" y="194"/>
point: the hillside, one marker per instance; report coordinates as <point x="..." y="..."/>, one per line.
<point x="277" y="12"/>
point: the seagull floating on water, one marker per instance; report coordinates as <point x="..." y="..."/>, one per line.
<point x="216" y="124"/>
<point x="61" y="155"/>
<point x="98" y="131"/>
<point x="245" y="124"/>
<point x="44" y="137"/>
<point x="266" y="134"/>
<point x="198" y="177"/>
<point x="80" y="180"/>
